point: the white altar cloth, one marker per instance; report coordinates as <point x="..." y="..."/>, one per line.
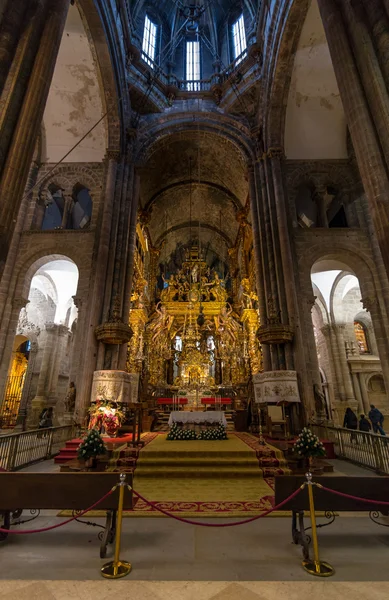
<point x="214" y="416"/>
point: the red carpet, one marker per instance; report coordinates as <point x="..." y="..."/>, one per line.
<point x="69" y="452"/>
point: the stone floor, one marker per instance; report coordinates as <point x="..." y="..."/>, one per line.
<point x="174" y="561"/>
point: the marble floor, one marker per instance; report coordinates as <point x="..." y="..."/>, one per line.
<point x="174" y="561"/>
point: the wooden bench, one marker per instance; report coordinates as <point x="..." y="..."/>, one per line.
<point x="372" y="488"/>
<point x="62" y="491"/>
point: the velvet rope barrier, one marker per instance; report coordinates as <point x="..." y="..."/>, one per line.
<point x="200" y="524"/>
<point x="26" y="531"/>
<point x="357" y="498"/>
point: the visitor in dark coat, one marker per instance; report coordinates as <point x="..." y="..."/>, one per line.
<point x="350" y="420"/>
<point x="364" y="424"/>
<point x="377" y="418"/>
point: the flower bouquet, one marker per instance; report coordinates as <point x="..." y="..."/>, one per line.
<point x="105" y="417"/>
<point x="91" y="447"/>
<point x="309" y="446"/>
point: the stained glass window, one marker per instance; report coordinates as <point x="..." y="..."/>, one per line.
<point x="360" y="334"/>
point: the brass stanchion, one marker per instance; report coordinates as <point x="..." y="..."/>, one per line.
<point x="118" y="568"/>
<point x="315" y="566"/>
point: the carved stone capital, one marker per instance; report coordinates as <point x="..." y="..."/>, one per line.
<point x="78" y="301"/>
<point x="112" y="155"/>
<point x="369" y="303"/>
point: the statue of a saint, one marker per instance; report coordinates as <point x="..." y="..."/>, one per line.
<point x="169" y="292"/>
<point x="249" y="298"/>
<point x="70" y="400"/>
<point x="218" y="290"/>
<point x="161" y="323"/>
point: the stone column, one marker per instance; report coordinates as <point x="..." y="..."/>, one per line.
<point x="42" y="390"/>
<point x="10" y="31"/>
<point x="333" y="352"/>
<point x="365" y="394"/>
<point x="338" y="330"/>
<point x="379" y="25"/>
<point x="369" y="70"/>
<point x="88" y="358"/>
<point x="357" y="391"/>
<point x="363" y="134"/>
<point x="11" y="100"/>
<point x="30" y="119"/>
<point x="62" y="331"/>
<point x="319" y="197"/>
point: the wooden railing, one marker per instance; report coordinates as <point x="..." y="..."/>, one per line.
<point x="18" y="450"/>
<point x="366" y="449"/>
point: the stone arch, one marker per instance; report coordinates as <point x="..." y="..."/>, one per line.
<point x="29" y="266"/>
<point x="278" y="66"/>
<point x="115" y="95"/>
<point x="155" y="135"/>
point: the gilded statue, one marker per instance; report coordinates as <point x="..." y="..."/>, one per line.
<point x="168" y="293"/>
<point x="138" y="294"/>
<point x="218" y="290"/>
<point x="161" y="323"/>
<point x="249" y="298"/>
<point x="226" y="324"/>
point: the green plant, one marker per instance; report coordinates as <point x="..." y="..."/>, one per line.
<point x="308" y="445"/>
<point x="91" y="446"/>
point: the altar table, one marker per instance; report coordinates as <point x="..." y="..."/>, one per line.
<point x="216" y="417"/>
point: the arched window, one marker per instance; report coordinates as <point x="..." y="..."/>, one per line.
<point x="361" y="336"/>
<point x="54" y="207"/>
<point x="239" y="42"/>
<point x="81" y="210"/>
<point x="149" y="43"/>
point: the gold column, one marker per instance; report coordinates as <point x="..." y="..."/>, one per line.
<point x="137" y="321"/>
<point x="251" y="323"/>
<point x="30" y="118"/>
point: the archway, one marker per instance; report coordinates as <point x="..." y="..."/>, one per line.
<point x="345" y="338"/>
<point x="43" y="334"/>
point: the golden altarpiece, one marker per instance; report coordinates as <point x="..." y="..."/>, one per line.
<point x="197" y="334"/>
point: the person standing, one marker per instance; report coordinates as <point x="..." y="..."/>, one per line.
<point x="350" y="421"/>
<point x="364" y="424"/>
<point x="377" y="419"/>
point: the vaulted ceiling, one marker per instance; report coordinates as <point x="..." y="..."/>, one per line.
<point x="194" y="178"/>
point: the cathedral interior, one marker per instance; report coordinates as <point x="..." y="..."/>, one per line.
<point x="189" y="201"/>
<point x="194" y="230"/>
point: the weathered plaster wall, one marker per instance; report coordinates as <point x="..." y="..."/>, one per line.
<point x="315" y="121"/>
<point x="74" y="104"/>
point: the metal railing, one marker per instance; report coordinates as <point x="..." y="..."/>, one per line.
<point x="369" y="450"/>
<point x="18" y="450"/>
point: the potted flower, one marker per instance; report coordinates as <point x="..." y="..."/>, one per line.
<point x="90" y="448"/>
<point x="308" y="446"/>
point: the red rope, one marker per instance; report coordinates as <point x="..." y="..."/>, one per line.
<point x="190" y="522"/>
<point x="24" y="531"/>
<point x="379" y="502"/>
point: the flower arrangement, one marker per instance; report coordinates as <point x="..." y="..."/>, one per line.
<point x="179" y="433"/>
<point x="215" y="433"/>
<point x="308" y="445"/>
<point x="104" y="416"/>
<point x="91" y="446"/>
